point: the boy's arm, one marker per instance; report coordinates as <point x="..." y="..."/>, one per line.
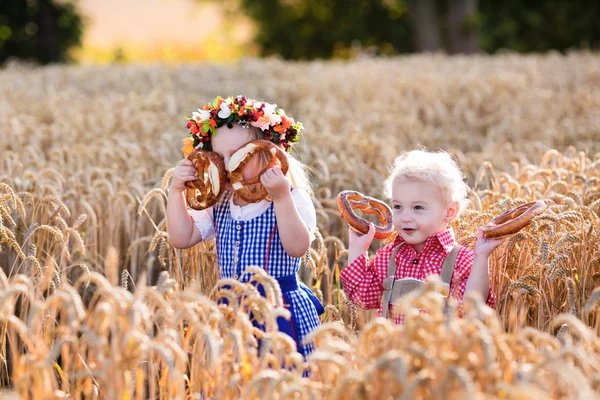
<point x="479" y="278"/>
<point x="361" y="282"/>
<point x="476" y="278"/>
<point x="360" y="279"/>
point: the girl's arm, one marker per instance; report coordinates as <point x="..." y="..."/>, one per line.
<point x="294" y="234"/>
<point x="182" y="231"/>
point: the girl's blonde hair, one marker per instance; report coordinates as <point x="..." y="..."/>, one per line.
<point x="438" y="168"/>
<point x="297" y="172"/>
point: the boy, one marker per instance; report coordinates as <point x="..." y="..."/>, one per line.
<point x="428" y="193"/>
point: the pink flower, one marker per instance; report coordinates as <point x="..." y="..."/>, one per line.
<point x="262" y="123"/>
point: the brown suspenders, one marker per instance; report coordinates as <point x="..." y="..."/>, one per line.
<point x="394" y="288"/>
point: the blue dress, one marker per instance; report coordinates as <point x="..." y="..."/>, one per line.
<point x="256" y="242"/>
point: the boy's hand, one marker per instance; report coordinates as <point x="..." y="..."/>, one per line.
<point x="184" y="171"/>
<point x="359" y="243"/>
<point x="275" y="183"/>
<point x="483" y="246"/>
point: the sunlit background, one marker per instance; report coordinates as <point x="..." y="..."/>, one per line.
<point x="171" y="31"/>
<point x="162" y="30"/>
<point x="96" y="303"/>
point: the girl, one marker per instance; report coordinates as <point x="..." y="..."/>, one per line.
<point x="272" y="234"/>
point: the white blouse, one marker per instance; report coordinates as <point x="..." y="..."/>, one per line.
<point x="203" y="219"/>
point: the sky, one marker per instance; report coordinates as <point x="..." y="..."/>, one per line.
<point x="153" y="26"/>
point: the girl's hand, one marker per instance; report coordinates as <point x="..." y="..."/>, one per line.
<point x="275" y="183"/>
<point x="483" y="246"/>
<point x="184" y="171"/>
<point x="359" y="243"/>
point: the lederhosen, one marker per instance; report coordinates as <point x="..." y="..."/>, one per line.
<point x="394" y="289"/>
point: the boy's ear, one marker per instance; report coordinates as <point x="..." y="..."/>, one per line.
<point x="452" y="211"/>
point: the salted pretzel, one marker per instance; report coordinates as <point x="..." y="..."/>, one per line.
<point x="251" y="190"/>
<point x="212" y="178"/>
<point x="512" y="221"/>
<point x="348" y="200"/>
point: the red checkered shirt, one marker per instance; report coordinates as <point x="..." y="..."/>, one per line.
<point x="363" y="279"/>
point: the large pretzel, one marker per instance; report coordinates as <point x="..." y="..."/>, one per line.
<point x="348" y="200"/>
<point x="239" y="159"/>
<point x="512" y="221"/>
<point x="212" y="178"/>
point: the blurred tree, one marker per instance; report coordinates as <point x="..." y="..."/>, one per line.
<point x="425" y="25"/>
<point x="462" y="32"/>
<point x="306" y="29"/>
<point x="41" y="30"/>
<point x="534" y="26"/>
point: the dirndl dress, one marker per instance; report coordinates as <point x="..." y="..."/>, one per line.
<point x="256" y="242"/>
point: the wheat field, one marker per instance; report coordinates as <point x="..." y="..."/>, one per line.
<point x="96" y="303"/>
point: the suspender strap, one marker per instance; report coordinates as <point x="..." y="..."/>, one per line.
<point x="388" y="282"/>
<point x="448" y="266"/>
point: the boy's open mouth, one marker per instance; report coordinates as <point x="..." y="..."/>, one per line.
<point x="409" y="230"/>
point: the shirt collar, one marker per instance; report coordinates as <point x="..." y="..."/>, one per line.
<point x="445" y="239"/>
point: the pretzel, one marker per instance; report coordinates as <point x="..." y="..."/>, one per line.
<point x="512" y="221"/>
<point x="241" y="157"/>
<point x="210" y="170"/>
<point x="348" y="200"/>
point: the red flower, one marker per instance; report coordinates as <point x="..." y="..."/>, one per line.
<point x="285" y="124"/>
<point x="193" y="127"/>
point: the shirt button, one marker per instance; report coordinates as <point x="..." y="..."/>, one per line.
<point x="238" y="227"/>
<point x="237" y="242"/>
<point x="235" y="259"/>
<point x="235" y="276"/>
<point x="415" y="261"/>
<point x="239" y="217"/>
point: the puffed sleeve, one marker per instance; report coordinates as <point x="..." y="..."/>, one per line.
<point x="203" y="219"/>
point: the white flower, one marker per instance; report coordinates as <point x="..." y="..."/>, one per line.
<point x="224" y="111"/>
<point x="200" y="116"/>
<point x="269" y="109"/>
<point x="274" y="119"/>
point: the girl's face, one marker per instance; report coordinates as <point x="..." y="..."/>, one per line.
<point x="419" y="211"/>
<point x="227" y="141"/>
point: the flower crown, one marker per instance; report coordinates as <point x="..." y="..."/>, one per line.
<point x="278" y="127"/>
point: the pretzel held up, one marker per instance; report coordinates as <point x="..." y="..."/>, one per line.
<point x="211" y="181"/>
<point x="512" y="221"/>
<point x="348" y="200"/>
<point x="239" y="159"/>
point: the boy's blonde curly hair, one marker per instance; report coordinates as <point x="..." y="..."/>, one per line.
<point x="437" y="167"/>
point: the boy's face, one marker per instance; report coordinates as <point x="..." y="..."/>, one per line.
<point x="419" y="211"/>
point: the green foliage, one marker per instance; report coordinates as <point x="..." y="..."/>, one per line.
<point x="40" y="30"/>
<point x="307" y="29"/>
<point x="536" y="26"/>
